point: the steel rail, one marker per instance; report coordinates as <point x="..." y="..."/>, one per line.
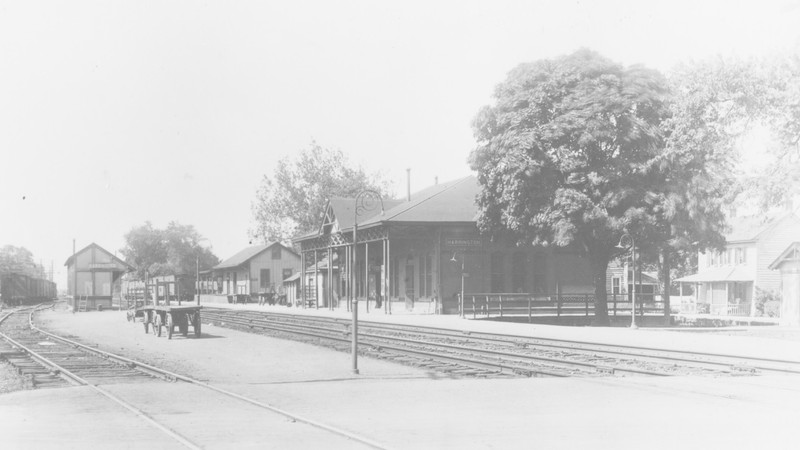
<point x="176" y="376"/>
<point x="521" y="358"/>
<point x="76" y="378"/>
<point x="613" y="349"/>
<point x="692" y="358"/>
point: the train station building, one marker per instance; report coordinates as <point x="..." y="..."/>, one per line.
<point x="415" y="255"/>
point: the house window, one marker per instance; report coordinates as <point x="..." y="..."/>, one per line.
<point x="276" y="252"/>
<point x="497" y="272"/>
<point x="741" y="255"/>
<point x="264" y="279"/>
<point x="286" y="274"/>
<point x="615" y="284"/>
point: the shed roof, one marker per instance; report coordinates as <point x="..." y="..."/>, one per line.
<point x="247" y="254"/>
<point x="729" y="273"/>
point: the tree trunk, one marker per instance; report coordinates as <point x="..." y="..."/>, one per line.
<point x="599" y="262"/>
<point x="665" y="276"/>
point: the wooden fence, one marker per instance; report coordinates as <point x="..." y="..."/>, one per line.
<point x="573" y="305"/>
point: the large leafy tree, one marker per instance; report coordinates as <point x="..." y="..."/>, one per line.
<point x="572" y="153"/>
<point x="292" y="199"/>
<point x="713" y="105"/>
<point x="173" y="250"/>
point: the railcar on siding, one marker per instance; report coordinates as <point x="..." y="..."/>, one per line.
<point x="19" y="289"/>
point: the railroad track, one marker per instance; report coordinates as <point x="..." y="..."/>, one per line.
<point x="489" y="354"/>
<point x="64" y="362"/>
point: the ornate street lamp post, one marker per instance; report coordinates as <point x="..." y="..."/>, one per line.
<point x="622" y="244"/>
<point x="366" y="201"/>
<point x="463" y="274"/>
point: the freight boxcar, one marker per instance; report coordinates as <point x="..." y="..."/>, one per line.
<point x="19" y="289"/>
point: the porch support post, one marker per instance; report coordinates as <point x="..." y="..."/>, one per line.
<point x="329" y="284"/>
<point x="303" y="278"/>
<point x="384" y="275"/>
<point x="388" y="307"/>
<point x="727" y="297"/>
<point x="753" y="300"/>
<point x="316" y="280"/>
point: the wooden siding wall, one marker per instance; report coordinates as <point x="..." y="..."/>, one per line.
<point x="276" y="266"/>
<point x="769" y="247"/>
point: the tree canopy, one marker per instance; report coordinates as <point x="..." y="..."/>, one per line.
<point x="19" y="260"/>
<point x="579" y="150"/>
<point x="292" y="199"/>
<point x="174" y="250"/>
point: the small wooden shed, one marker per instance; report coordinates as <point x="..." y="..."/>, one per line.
<point x="94" y="275"/>
<point x="789" y="265"/>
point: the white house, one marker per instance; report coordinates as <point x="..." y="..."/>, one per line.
<point x="727" y="280"/>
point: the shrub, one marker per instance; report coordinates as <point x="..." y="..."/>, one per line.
<point x="768" y="303"/>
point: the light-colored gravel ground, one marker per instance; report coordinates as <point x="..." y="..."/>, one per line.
<point x="407" y="408"/>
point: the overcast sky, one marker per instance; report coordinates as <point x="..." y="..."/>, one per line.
<point x="113" y="113"/>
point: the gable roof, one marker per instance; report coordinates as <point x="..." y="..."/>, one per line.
<point x="342" y="209"/>
<point x="247" y="254"/>
<point x="113" y="257"/>
<point x="750" y="228"/>
<point x="453" y="201"/>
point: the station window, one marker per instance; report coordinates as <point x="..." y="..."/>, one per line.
<point x="276" y="252"/>
<point x="615" y="284"/>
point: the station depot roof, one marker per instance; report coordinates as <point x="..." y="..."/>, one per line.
<point x="119" y="265"/>
<point x="247" y="254"/>
<point x="450" y="202"/>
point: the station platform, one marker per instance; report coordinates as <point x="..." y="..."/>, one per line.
<point x="741" y="341"/>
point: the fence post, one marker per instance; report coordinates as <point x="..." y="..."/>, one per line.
<point x="500" y="298"/>
<point x="558" y="303"/>
<point x="529" y="309"/>
<point x="473" y="306"/>
<point x="615" y="304"/>
<point x="586" y="304"/>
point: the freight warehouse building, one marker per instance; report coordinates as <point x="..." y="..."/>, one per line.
<point x="94" y="276"/>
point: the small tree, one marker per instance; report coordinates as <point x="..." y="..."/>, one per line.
<point x="170" y="251"/>
<point x="291" y="201"/>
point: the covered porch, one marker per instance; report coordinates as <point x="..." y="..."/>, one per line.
<point x="722" y="291"/>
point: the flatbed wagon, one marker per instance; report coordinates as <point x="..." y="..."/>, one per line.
<point x="159" y="312"/>
<point x="169" y="317"/>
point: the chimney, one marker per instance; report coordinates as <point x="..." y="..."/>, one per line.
<point x="408" y="183"/>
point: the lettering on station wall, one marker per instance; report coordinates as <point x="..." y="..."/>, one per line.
<point x="110" y="265"/>
<point x="463" y="242"/>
